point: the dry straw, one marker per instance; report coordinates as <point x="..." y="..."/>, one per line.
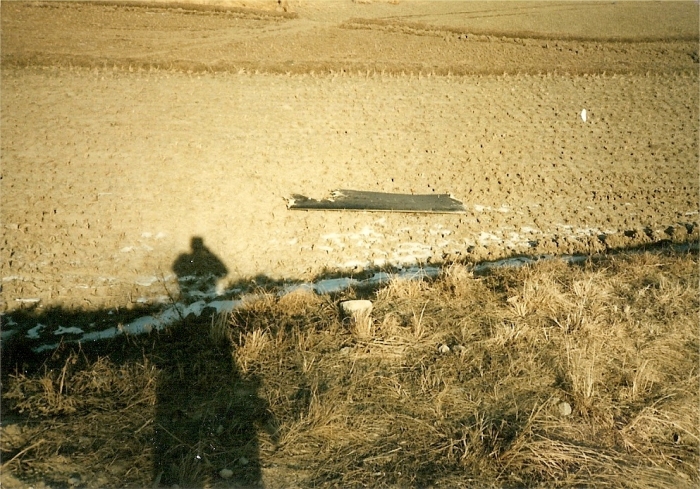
<point x="457" y="381"/>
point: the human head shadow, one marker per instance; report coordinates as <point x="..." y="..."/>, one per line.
<point x="198" y="271"/>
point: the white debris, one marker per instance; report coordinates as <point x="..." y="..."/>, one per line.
<point x="584" y="115"/>
<point x="355" y="307"/>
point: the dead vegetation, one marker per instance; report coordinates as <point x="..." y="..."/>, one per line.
<point x="553" y="374"/>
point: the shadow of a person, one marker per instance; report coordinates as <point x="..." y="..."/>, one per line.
<point x="208" y="413"/>
<point x="199" y="270"/>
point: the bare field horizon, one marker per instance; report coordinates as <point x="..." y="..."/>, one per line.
<point x="129" y="130"/>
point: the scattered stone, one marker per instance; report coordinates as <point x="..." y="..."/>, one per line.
<point x="226" y="473"/>
<point x="564" y="408"/>
<point x="444" y="349"/>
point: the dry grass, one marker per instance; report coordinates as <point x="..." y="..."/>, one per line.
<point x="453" y="382"/>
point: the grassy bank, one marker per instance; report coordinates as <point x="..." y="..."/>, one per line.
<point x="552" y="374"/>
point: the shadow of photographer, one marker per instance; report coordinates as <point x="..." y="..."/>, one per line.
<point x="198" y="271"/>
<point x="208" y="413"/>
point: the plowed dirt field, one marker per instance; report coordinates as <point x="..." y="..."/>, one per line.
<point x="129" y="130"/>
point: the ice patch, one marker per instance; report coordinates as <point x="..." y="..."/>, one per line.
<point x="415" y="273"/>
<point x="175" y="312"/>
<point x="508" y="262"/>
<point x="288" y="289"/>
<point x="224" y="306"/>
<point x="7" y="333"/>
<point x="94" y="336"/>
<point x="379" y="278"/>
<point x="333" y="285"/>
<point x="34" y="332"/>
<point x="6" y="321"/>
<point x="146" y="281"/>
<point x="70" y="330"/>
<point x="487" y="238"/>
<point x="367" y="231"/>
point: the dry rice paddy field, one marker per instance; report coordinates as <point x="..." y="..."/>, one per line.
<point x="144" y="143"/>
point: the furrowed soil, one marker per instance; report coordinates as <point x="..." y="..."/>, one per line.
<point x="127" y="130"/>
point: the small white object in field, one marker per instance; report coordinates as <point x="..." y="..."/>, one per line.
<point x="444" y="349"/>
<point x="356" y="307"/>
<point x="243" y="461"/>
<point x="584" y="115"/>
<point x="564" y="408"/>
<point x="226" y="473"/>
